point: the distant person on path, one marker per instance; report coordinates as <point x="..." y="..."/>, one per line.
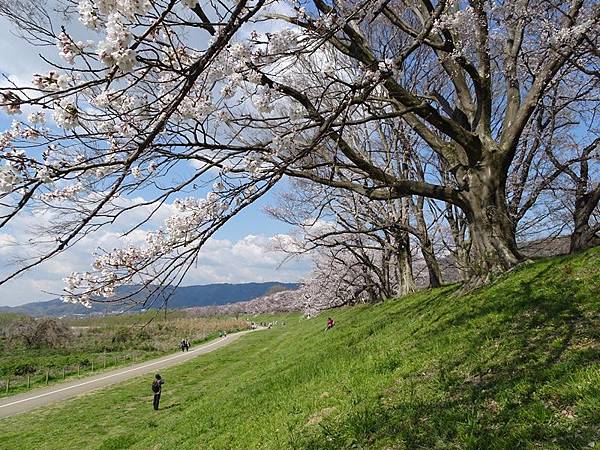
<point x="156" y="389"/>
<point x="183" y="345"/>
<point x="187" y="345"/>
<point x="330" y="323"/>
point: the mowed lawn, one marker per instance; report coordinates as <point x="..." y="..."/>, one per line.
<point x="513" y="365"/>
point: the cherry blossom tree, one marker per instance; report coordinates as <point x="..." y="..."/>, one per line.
<point x="340" y="227"/>
<point x="556" y="154"/>
<point x="579" y="195"/>
<point x="466" y="77"/>
<point x="125" y="111"/>
<point x="170" y="83"/>
<point x="344" y="277"/>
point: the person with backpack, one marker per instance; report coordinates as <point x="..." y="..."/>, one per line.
<point x="157" y="389"/>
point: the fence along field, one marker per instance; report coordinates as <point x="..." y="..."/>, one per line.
<point x="37" y="352"/>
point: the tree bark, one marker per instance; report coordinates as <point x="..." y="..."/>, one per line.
<point x="462" y="245"/>
<point x="406" y="281"/>
<point x="492" y="233"/>
<point x="427" y="250"/>
<point x="584" y="236"/>
<point x="433" y="268"/>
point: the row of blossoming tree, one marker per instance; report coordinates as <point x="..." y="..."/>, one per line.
<point x="453" y="126"/>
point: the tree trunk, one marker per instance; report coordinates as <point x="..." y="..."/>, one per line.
<point x="462" y="259"/>
<point x="427" y="250"/>
<point x="433" y="268"/>
<point x="493" y="243"/>
<point x="584" y="236"/>
<point x="459" y="229"/>
<point x="406" y="281"/>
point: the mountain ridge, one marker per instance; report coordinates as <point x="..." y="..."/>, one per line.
<point x="179" y="298"/>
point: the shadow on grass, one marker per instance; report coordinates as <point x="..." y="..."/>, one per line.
<point x="173" y="405"/>
<point x="509" y="384"/>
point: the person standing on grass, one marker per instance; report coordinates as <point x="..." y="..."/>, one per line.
<point x="157" y="389"/>
<point x="330" y="323"/>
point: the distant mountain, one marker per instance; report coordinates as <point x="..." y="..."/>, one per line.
<point x="275" y="301"/>
<point x="132" y="299"/>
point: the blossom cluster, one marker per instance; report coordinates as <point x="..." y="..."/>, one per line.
<point x="285" y="147"/>
<point x="193" y="213"/>
<point x="15" y="169"/>
<point x="70" y="49"/>
<point x="195" y="108"/>
<point x="7" y="137"/>
<point x="114" y="49"/>
<point x="66" y="114"/>
<point x="63" y="194"/>
<point x="84" y="283"/>
<point x="10" y="102"/>
<point x="282" y="42"/>
<point x="9" y="178"/>
<point x="90" y="11"/>
<point x="263" y="100"/>
<point x="118" y="266"/>
<point x="51" y="81"/>
<point x="457" y="21"/>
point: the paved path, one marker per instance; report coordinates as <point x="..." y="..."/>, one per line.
<point x="27" y="401"/>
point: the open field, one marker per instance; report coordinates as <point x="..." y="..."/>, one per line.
<point x="99" y="343"/>
<point x="513" y="365"/>
<point x="48" y="395"/>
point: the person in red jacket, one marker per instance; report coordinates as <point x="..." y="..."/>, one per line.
<point x="330" y="323"/>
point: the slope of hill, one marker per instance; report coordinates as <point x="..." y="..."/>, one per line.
<point x="513" y="365"/>
<point x="182" y="297"/>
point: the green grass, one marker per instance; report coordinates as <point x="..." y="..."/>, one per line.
<point x="513" y="365"/>
<point x="103" y="343"/>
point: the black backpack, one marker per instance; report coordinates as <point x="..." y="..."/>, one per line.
<point x="156" y="386"/>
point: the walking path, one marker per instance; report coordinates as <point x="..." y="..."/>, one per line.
<point x="27" y="401"/>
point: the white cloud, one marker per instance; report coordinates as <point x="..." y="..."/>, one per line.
<point x="251" y="258"/>
<point x="20" y="59"/>
<point x="7" y="242"/>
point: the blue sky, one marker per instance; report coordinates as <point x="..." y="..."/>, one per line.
<point x="239" y="252"/>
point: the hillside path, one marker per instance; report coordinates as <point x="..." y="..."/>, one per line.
<point x="27" y="401"/>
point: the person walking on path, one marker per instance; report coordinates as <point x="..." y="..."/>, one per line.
<point x="157" y="389"/>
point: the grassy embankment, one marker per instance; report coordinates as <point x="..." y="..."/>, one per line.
<point x="514" y="365"/>
<point x="101" y="342"/>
